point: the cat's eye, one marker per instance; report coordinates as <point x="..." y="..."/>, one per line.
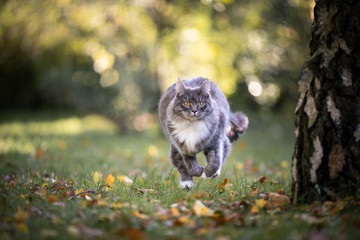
<point x="201" y="104"/>
<point x="187" y="103"/>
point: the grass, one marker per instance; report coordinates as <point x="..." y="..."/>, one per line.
<point x="62" y="177"/>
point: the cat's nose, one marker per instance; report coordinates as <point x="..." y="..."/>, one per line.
<point x="194" y="112"/>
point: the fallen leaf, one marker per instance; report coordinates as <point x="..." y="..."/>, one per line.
<point x="110" y="180"/>
<point x="254" y="209"/>
<point x="255" y="192"/>
<point x="140" y="215"/>
<point x="21" y="215"/>
<point x="131" y="233"/>
<point x="279" y="199"/>
<point x="39" y="153"/>
<point x="201" y="210"/>
<point x="22" y="227"/>
<point x="97" y="176"/>
<point x="52" y="198"/>
<point x="262" y="179"/>
<point x="339" y="207"/>
<point x="124" y="179"/>
<point x="117" y="205"/>
<point x="174" y="212"/>
<point x="260" y="203"/>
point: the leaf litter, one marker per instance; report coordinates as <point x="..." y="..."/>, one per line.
<point x="203" y="211"/>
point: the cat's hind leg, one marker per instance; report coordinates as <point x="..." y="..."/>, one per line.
<point x="186" y="180"/>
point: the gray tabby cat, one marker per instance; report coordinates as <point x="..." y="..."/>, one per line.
<point x="195" y="116"/>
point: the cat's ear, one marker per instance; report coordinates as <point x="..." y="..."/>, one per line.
<point x="180" y="87"/>
<point x="205" y="87"/>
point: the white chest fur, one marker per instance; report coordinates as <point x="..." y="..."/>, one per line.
<point x="190" y="133"/>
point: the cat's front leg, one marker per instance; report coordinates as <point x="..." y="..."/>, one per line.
<point x="186" y="180"/>
<point x="192" y="165"/>
<point x="214" y="163"/>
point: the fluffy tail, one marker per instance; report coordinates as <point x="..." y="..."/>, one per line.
<point x="238" y="124"/>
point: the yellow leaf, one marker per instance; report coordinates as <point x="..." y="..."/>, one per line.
<point x="339" y="206"/>
<point x="97" y="176"/>
<point x="21" y="215"/>
<point x="110" y="179"/>
<point x="21" y="227"/>
<point x="124" y="179"/>
<point x="43" y="193"/>
<point x="254" y="209"/>
<point x="260" y="203"/>
<point x="201" y="210"/>
<point x="174" y="212"/>
<point x="80" y="190"/>
<point x="102" y="203"/>
<point x="117" y="205"/>
<point x="185" y="220"/>
<point x="140" y="215"/>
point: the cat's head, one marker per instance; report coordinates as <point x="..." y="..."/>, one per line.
<point x="193" y="103"/>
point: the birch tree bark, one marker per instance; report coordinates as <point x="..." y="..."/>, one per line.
<point x="326" y="160"/>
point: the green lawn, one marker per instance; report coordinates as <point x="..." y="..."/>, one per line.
<point x="64" y="176"/>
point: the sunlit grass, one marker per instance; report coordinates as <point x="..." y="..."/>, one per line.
<point x="48" y="160"/>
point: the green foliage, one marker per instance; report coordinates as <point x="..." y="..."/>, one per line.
<point x="116" y="57"/>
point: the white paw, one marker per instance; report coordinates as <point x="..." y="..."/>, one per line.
<point x="216" y="174"/>
<point x="204" y="176"/>
<point x="186" y="184"/>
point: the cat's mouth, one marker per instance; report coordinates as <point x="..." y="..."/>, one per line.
<point x="192" y="117"/>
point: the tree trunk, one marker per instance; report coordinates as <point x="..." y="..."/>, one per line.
<point x="326" y="161"/>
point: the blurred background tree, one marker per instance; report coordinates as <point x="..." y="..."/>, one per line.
<point x="117" y="57"/>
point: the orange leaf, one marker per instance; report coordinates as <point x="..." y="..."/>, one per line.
<point x="52" y="198"/>
<point x="254" y="209"/>
<point x="255" y="192"/>
<point x="39" y="153"/>
<point x="110" y="179"/>
<point x="279" y="199"/>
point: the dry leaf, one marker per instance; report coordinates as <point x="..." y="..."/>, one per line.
<point x="39" y="153"/>
<point x="52" y="198"/>
<point x="255" y="192"/>
<point x="21" y="215"/>
<point x="140" y="215"/>
<point x="201" y="210"/>
<point x="262" y="179"/>
<point x="260" y="203"/>
<point x="97" y="176"/>
<point x="174" y="212"/>
<point x="339" y="207"/>
<point x="279" y="199"/>
<point x="254" y="209"/>
<point x="110" y="180"/>
<point x="22" y="227"/>
<point x="124" y="179"/>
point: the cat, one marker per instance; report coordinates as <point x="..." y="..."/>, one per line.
<point x="195" y="116"/>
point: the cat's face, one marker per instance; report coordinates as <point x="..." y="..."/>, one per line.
<point x="193" y="103"/>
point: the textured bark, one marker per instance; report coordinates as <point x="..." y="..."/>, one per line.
<point x="326" y="160"/>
